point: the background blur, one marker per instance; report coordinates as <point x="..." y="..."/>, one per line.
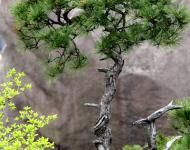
<point x="151" y="78"/>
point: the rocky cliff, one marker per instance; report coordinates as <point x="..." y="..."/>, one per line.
<point x="150" y="79"/>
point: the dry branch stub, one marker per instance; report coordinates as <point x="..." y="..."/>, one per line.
<point x="150" y="123"/>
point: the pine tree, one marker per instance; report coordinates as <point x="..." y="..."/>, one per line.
<point x="124" y="24"/>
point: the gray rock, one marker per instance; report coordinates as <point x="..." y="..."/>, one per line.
<point x="150" y="79"/>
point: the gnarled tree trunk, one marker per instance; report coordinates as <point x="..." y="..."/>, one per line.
<point x="101" y="129"/>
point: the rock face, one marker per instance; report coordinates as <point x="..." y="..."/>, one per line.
<point x="150" y="79"/>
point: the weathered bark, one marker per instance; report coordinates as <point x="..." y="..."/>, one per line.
<point x="153" y="135"/>
<point x="101" y="129"/>
<point x="150" y="122"/>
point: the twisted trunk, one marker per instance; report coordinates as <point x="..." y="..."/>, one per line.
<point x="101" y="129"/>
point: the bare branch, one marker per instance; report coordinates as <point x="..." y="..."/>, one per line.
<point x="101" y="59"/>
<point x="91" y="105"/>
<point x="157" y="114"/>
<point x="170" y="143"/>
<point x="162" y="111"/>
<point x="103" y="70"/>
<point x="150" y="122"/>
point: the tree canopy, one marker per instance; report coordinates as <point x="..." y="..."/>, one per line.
<point x="125" y="24"/>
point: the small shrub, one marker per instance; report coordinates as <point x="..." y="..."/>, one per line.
<point x="132" y="147"/>
<point x="20" y="133"/>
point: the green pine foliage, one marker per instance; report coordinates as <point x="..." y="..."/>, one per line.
<point x="21" y="132"/>
<point x="181" y="122"/>
<point x="125" y="25"/>
<point x="181" y="118"/>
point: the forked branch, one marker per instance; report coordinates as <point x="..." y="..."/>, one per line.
<point x="150" y="122"/>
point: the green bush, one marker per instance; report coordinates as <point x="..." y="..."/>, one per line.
<point x="181" y="122"/>
<point x="132" y="147"/>
<point x="20" y="133"/>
